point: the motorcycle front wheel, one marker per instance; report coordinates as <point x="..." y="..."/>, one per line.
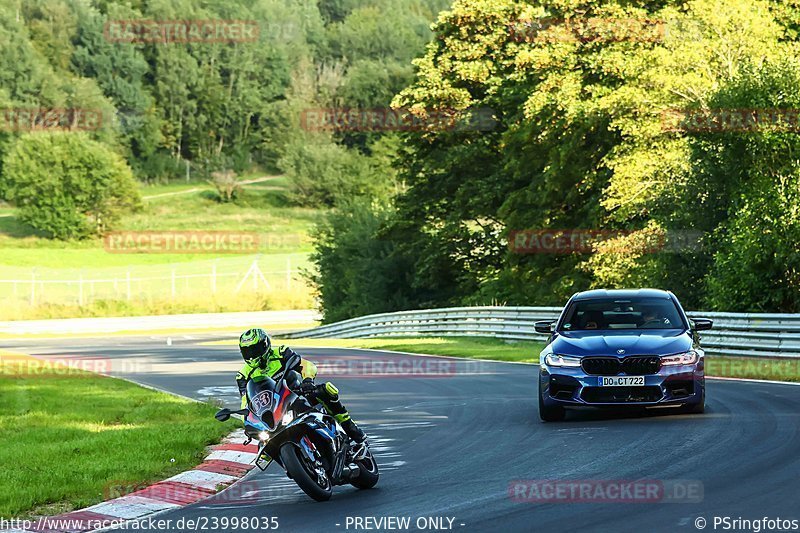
<point x="310" y="477"/>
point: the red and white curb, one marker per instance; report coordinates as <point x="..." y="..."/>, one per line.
<point x="226" y="464"/>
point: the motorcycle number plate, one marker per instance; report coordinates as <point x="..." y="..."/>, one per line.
<point x="621" y="381"/>
<point x="263" y="402"/>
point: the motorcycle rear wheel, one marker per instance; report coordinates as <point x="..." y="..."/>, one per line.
<point x="368" y="474"/>
<point x="304" y="475"/>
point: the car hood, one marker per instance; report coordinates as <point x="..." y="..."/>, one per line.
<point x="647" y="342"/>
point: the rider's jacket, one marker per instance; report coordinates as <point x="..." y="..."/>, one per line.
<point x="269" y="366"/>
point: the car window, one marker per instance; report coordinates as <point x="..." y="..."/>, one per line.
<point x="611" y="313"/>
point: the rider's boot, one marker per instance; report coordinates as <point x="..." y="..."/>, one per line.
<point x="355" y="433"/>
<point x="329" y="395"/>
<point x="359" y="438"/>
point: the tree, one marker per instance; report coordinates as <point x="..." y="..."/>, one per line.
<point x="67" y="185"/>
<point x="356" y="270"/>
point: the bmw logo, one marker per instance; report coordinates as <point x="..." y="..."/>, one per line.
<point x="620" y="352"/>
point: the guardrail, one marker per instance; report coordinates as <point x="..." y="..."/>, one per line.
<point x="735" y="334"/>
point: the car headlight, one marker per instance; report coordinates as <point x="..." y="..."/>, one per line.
<point x="562" y="360"/>
<point x="287" y="418"/>
<point x="264" y="436"/>
<point x="688" y="358"/>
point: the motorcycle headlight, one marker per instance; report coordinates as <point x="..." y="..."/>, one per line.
<point x="562" y="360"/>
<point x="688" y="358"/>
<point x="287" y="418"/>
<point x="264" y="436"/>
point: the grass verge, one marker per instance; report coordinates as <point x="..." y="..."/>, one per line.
<point x="268" y="300"/>
<point x="69" y="439"/>
<point x="764" y="368"/>
<point x="46" y="278"/>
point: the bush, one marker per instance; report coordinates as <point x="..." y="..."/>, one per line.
<point x="228" y="188"/>
<point x="325" y="174"/>
<point x="67" y="185"/>
<point x="357" y="271"/>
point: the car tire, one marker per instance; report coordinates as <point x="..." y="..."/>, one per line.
<point x="554" y="413"/>
<point x="697" y="408"/>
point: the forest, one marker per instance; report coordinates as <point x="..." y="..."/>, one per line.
<point x="457" y="152"/>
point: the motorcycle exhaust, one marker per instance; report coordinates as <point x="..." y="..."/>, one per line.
<point x="351" y="472"/>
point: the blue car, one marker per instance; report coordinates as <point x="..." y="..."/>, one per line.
<point x="621" y="348"/>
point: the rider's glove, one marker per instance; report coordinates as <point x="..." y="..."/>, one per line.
<point x="308" y="386"/>
<point x="244" y="402"/>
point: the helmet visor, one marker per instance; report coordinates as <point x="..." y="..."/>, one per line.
<point x="254" y="351"/>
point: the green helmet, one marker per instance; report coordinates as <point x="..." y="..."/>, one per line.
<point x="254" y="345"/>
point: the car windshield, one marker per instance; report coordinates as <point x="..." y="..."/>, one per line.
<point x="616" y="313"/>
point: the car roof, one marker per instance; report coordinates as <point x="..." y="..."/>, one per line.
<point x="622" y="293"/>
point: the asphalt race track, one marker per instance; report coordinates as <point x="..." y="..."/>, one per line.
<point x="451" y="443"/>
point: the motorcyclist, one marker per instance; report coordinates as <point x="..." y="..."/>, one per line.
<point x="262" y="359"/>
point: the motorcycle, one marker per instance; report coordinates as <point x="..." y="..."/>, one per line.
<point x="307" y="442"/>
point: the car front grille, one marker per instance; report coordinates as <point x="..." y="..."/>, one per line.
<point x="640" y="366"/>
<point x="621" y="394"/>
<point x="601" y="366"/>
<point x="611" y="366"/>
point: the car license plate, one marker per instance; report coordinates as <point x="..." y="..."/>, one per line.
<point x="622" y="381"/>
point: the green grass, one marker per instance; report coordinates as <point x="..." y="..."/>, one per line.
<point x="18" y="261"/>
<point x="173" y="187"/>
<point x="68" y="438"/>
<point x="262" y="210"/>
<point x="771" y="369"/>
<point x="528" y="352"/>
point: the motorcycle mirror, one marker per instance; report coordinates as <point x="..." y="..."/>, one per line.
<point x="293" y="360"/>
<point x="293" y="379"/>
<point x="223" y="415"/>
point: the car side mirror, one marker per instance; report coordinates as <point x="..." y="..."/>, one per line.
<point x="701" y="324"/>
<point x="544" y="326"/>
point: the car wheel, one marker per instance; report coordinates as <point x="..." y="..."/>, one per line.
<point x="555" y="413"/>
<point x="696" y="408"/>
